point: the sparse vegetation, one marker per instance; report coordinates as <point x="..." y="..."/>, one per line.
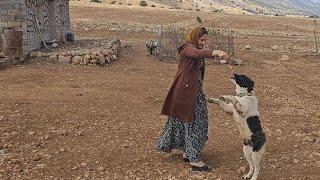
<point x="314" y="16"/>
<point x="199" y="20"/>
<point x="95" y="1"/>
<point x="143" y="3"/>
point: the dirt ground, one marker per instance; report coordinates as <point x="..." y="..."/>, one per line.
<point x="74" y="122"/>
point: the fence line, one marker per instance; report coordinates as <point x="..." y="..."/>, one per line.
<point x="170" y="38"/>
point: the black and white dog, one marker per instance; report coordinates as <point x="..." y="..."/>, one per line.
<point x="244" y="107"/>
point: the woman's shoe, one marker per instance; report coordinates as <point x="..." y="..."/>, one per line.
<point x="204" y="168"/>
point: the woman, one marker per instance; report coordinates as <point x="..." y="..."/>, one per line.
<point x="185" y="104"/>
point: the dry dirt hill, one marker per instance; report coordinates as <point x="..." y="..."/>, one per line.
<point x="271" y="7"/>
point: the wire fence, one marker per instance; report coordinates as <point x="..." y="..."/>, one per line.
<point x="170" y="38"/>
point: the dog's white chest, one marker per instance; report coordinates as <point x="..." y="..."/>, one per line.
<point x="250" y="104"/>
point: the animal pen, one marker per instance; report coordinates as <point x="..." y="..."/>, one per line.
<point x="169" y="39"/>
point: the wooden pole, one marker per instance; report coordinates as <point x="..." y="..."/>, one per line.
<point x="315" y="36"/>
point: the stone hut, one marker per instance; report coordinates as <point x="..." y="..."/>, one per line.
<point x="37" y="21"/>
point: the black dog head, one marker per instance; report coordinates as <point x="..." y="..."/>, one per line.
<point x="243" y="83"/>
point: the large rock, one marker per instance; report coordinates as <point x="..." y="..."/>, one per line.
<point x="274" y="47"/>
<point x="108" y="59"/>
<point x="94" y="61"/>
<point x="54" y="45"/>
<point x="284" y="58"/>
<point x="102" y="62"/>
<point x="105" y="52"/>
<point x="100" y="56"/>
<point x="76" y="60"/>
<point x="53" y="58"/>
<point x="33" y="54"/>
<point x="73" y="53"/>
<point x="114" y="58"/>
<point x="93" y="55"/>
<point x="86" y="59"/>
<point x="247" y="47"/>
<point x="64" y="59"/>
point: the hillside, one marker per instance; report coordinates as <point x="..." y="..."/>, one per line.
<point x="270" y="7"/>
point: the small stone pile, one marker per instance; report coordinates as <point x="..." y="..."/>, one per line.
<point x="90" y="52"/>
<point x="101" y="55"/>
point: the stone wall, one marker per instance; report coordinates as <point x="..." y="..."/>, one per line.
<point x="40" y="9"/>
<point x="12" y="15"/>
<point x="24" y="15"/>
<point x="63" y="17"/>
<point x="36" y="12"/>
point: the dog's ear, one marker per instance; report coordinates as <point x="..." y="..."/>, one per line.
<point x="251" y="86"/>
<point x="232" y="75"/>
<point x="235" y="76"/>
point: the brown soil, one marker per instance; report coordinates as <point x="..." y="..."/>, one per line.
<point x="63" y="121"/>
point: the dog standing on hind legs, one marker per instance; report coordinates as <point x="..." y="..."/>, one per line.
<point x="244" y="108"/>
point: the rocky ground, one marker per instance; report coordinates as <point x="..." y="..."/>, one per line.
<point x="61" y="121"/>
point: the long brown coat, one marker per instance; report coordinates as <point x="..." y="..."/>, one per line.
<point x="181" y="99"/>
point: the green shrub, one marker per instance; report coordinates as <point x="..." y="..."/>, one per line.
<point x="96" y="1"/>
<point x="199" y="20"/>
<point x="143" y="3"/>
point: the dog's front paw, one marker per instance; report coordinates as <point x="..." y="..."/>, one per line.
<point x="224" y="98"/>
<point x="213" y="100"/>
<point x="227" y="99"/>
<point x="248" y="176"/>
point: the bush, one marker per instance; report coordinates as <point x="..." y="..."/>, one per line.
<point x="129" y="4"/>
<point x="120" y="3"/>
<point x="199" y="20"/>
<point x="96" y="1"/>
<point x="113" y="2"/>
<point x="143" y="3"/>
<point x="153" y="5"/>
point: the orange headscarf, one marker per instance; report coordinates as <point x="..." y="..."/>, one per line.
<point x="193" y="36"/>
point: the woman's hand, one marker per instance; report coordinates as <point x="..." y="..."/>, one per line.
<point x="220" y="54"/>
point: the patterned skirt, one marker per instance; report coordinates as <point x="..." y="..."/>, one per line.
<point x="190" y="138"/>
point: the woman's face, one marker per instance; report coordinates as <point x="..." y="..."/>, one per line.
<point x="203" y="40"/>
